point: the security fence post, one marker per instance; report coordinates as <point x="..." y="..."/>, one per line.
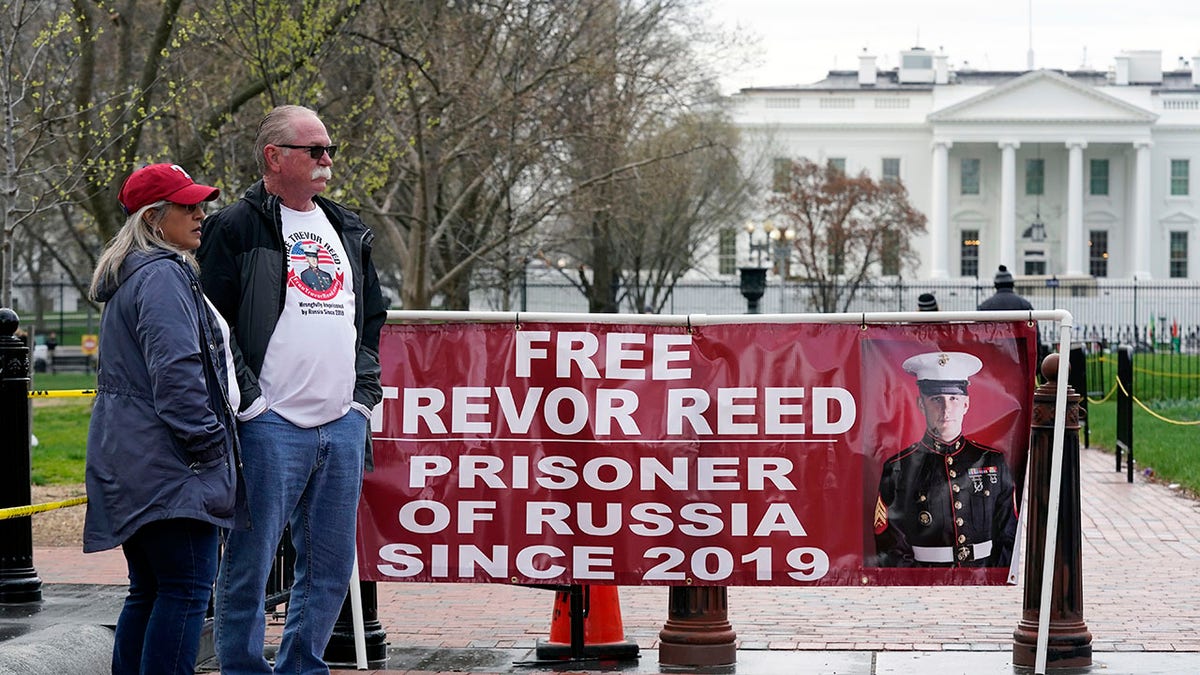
<point x="340" y="650"/>
<point x="697" y="632"/>
<point x="1125" y="408"/>
<point x="1069" y="644"/>
<point x="19" y="582"/>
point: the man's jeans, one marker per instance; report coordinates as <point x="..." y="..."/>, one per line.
<point x="171" y="568"/>
<point x="310" y="479"/>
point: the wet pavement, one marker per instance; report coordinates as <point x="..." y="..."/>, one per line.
<point x="1141" y="551"/>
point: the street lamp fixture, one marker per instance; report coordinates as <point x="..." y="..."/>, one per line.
<point x="758" y="245"/>
<point x="766" y="237"/>
<point x="783" y="250"/>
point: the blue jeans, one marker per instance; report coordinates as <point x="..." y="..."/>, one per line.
<point x="309" y="479"/>
<point x="172" y="564"/>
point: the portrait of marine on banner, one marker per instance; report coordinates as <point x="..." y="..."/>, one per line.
<point x="723" y="454"/>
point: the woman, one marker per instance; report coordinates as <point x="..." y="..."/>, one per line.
<point x="162" y="470"/>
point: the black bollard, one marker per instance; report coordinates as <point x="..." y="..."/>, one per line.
<point x="340" y="650"/>
<point x="1077" y="378"/>
<point x="19" y="582"/>
<point x="1125" y="408"/>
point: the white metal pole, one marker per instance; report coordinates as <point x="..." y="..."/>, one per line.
<point x="356" y="617"/>
<point x="1056" y="460"/>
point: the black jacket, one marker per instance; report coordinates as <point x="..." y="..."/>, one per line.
<point x="1004" y="298"/>
<point x="956" y="501"/>
<point x="243" y="267"/>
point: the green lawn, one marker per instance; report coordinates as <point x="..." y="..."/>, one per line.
<point x="1170" y="450"/>
<point x="60" y="426"/>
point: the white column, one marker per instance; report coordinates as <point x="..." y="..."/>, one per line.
<point x="1008" y="204"/>
<point x="1141" y="213"/>
<point x="939" y="216"/>
<point x="1073" y="244"/>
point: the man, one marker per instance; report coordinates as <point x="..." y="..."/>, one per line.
<point x="305" y="410"/>
<point x="945" y="501"/>
<point x="926" y="302"/>
<point x="1004" y="297"/>
<point x="314" y="277"/>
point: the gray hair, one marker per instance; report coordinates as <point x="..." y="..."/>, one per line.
<point x="276" y="129"/>
<point x="139" y="233"/>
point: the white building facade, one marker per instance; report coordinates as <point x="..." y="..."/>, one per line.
<point x="1071" y="174"/>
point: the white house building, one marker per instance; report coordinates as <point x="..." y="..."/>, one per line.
<point x="1085" y="174"/>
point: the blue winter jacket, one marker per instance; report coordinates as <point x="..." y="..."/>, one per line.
<point x="163" y="440"/>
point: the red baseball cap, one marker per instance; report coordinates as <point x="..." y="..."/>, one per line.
<point x="156" y="182"/>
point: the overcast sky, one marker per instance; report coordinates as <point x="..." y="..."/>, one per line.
<point x="801" y="40"/>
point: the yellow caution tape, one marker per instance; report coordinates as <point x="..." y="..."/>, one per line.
<point x="1141" y="405"/>
<point x="62" y="393"/>
<point x="21" y="511"/>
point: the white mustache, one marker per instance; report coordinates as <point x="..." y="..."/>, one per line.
<point x="322" y="172"/>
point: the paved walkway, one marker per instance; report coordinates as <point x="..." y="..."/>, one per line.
<point x="1141" y="595"/>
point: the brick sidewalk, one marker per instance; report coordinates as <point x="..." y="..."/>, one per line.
<point x="1141" y="549"/>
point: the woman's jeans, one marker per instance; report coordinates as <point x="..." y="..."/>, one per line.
<point x="172" y="564"/>
<point x="309" y="479"/>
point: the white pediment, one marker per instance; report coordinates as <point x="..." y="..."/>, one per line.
<point x="1043" y="96"/>
<point x="1178" y="219"/>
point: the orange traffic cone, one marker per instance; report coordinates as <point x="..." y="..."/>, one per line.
<point x="586" y="624"/>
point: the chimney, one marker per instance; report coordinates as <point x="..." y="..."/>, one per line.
<point x="941" y="70"/>
<point x="866" y="69"/>
<point x="1122" y="72"/>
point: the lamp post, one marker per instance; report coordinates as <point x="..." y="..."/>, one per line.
<point x="766" y="237"/>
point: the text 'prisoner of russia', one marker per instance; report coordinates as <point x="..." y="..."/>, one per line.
<point x="945" y="501"/>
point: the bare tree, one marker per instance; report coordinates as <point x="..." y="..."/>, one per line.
<point x="91" y="90"/>
<point x="640" y="108"/>
<point x="672" y="208"/>
<point x="849" y="229"/>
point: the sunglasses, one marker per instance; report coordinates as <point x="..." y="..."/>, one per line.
<point x="191" y="208"/>
<point x="314" y="151"/>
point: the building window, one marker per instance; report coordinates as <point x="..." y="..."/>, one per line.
<point x="1179" y="255"/>
<point x="781" y="174"/>
<point x="1098" y="253"/>
<point x="1035" y="176"/>
<point x="1098" y="180"/>
<point x="968" y="257"/>
<point x="838" y="163"/>
<point x="1179" y="177"/>
<point x="916" y="61"/>
<point x="891" y="169"/>
<point x="1035" y="262"/>
<point x="889" y="255"/>
<point x="727" y="251"/>
<point x="970" y="176"/>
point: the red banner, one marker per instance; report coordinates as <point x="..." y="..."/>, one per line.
<point x="750" y="454"/>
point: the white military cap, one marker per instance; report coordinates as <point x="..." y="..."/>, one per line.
<point x="942" y="372"/>
<point x="310" y="249"/>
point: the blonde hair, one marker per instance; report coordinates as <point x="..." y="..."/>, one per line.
<point x="139" y="233"/>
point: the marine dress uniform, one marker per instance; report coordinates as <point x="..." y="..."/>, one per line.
<point x="945" y="504"/>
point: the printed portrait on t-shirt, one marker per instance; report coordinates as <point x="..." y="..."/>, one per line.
<point x="314" y="269"/>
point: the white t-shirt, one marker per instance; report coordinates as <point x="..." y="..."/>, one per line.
<point x="308" y="374"/>
<point x="235" y="394"/>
